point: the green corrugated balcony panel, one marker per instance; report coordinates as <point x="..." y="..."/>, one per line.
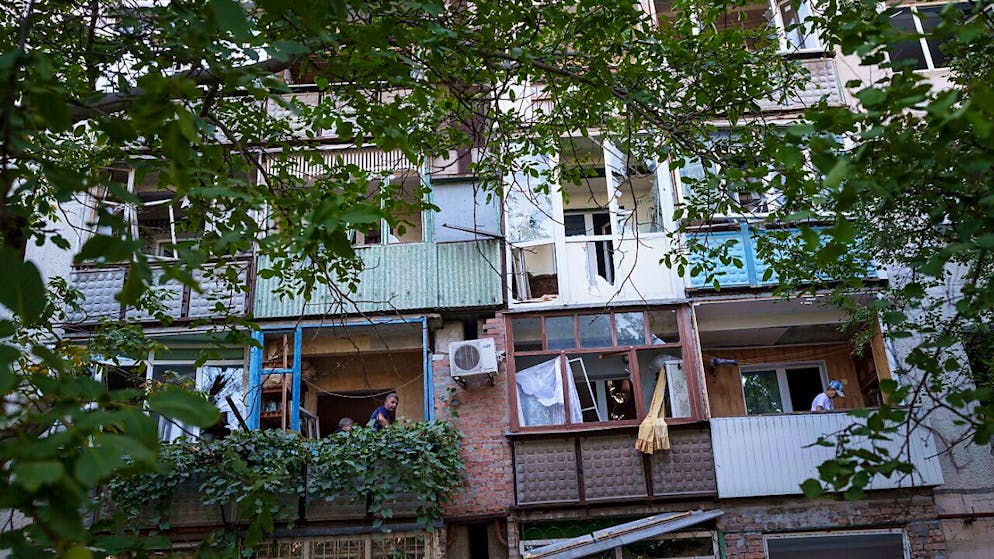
<point x="449" y="259"/>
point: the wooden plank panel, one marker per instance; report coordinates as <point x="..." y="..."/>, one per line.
<point x="724" y="383"/>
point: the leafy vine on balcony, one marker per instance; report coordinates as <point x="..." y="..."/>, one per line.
<point x="254" y="479"/>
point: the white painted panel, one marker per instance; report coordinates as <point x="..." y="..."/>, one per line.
<point x="639" y="276"/>
<point x="769" y="455"/>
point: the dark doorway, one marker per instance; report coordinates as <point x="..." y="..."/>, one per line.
<point x="479" y="542"/>
<point x="804" y="384"/>
<point x="358" y="405"/>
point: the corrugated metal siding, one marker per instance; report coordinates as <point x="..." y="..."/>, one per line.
<point x="767" y="455"/>
<point x="401" y="277"/>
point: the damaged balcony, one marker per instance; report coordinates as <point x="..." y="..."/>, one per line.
<point x="449" y="259"/>
<point x="765" y="362"/>
<point x="597" y="235"/>
<point x="161" y="222"/>
<point x="584" y="384"/>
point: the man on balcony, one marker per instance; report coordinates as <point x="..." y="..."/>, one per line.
<point x="381" y="416"/>
<point x="823" y="401"/>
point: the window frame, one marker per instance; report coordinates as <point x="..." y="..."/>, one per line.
<point x="685" y="343"/>
<point x="922" y="38"/>
<point x="905" y="544"/>
<point x="783" y="386"/>
<point x="151" y="363"/>
<point x="130" y="214"/>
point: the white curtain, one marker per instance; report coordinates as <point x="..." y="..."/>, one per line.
<point x="540" y="395"/>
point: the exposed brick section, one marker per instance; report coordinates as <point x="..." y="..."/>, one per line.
<point x="483" y="419"/>
<point x="746" y="521"/>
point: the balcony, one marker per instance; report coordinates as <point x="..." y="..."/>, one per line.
<point x="823" y="82"/>
<point x="769" y="455"/>
<point x="605" y="467"/>
<point x="99" y="284"/>
<point x="400" y="277"/>
<point x="743" y="248"/>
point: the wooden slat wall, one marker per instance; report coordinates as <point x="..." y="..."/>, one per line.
<point x="724" y="383"/>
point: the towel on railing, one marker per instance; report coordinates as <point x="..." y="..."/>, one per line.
<point x="653" y="433"/>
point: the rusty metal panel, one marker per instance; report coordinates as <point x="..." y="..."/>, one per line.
<point x="469" y="274"/>
<point x="688" y="467"/>
<point x="98" y="287"/>
<point x="545" y="471"/>
<point x="770" y="455"/>
<point x="612" y="468"/>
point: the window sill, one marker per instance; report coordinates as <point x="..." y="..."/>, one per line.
<point x="549" y="431"/>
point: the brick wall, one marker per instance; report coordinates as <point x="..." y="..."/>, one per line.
<point x="482" y="416"/>
<point x="745" y="522"/>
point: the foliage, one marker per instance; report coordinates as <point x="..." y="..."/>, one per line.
<point x="901" y="179"/>
<point x="196" y="97"/>
<point x="256" y="478"/>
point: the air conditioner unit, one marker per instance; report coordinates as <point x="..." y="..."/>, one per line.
<point x="472" y="357"/>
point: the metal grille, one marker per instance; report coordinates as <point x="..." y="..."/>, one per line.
<point x="404" y="547"/>
<point x="393" y="546"/>
<point x="338" y="549"/>
<point x="292" y="549"/>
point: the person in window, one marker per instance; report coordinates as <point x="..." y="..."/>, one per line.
<point x="823" y="401"/>
<point x="383" y="415"/>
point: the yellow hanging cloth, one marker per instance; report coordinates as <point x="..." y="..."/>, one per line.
<point x="653" y="433"/>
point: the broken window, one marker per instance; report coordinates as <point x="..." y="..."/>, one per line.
<point x="599" y="367"/>
<point x="219" y="382"/>
<point x="666" y="363"/>
<point x="536" y="277"/>
<point x="138" y="204"/>
<point x="530" y="232"/>
<point x="605" y="386"/>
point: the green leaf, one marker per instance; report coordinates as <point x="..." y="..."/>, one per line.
<point x="231" y="18"/>
<point x="177" y="403"/>
<point x="812" y="488"/>
<point x="32" y="475"/>
<point x="23" y="291"/>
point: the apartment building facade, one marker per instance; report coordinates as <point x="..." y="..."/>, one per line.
<point x="589" y="335"/>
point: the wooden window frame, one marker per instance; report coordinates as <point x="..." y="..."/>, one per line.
<point x="685" y="345"/>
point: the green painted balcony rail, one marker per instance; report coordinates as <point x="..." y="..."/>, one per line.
<point x="401" y="277"/>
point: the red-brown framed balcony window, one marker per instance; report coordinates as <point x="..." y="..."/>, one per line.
<point x="591" y="369"/>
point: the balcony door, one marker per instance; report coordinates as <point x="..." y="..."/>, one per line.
<point x="782" y="388"/>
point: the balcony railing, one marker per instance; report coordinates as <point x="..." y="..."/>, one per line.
<point x="99" y="284"/>
<point x="823" y="82"/>
<point x="400" y="277"/>
<point x="743" y="248"/>
<point x="770" y="454"/>
<point x="587" y="468"/>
